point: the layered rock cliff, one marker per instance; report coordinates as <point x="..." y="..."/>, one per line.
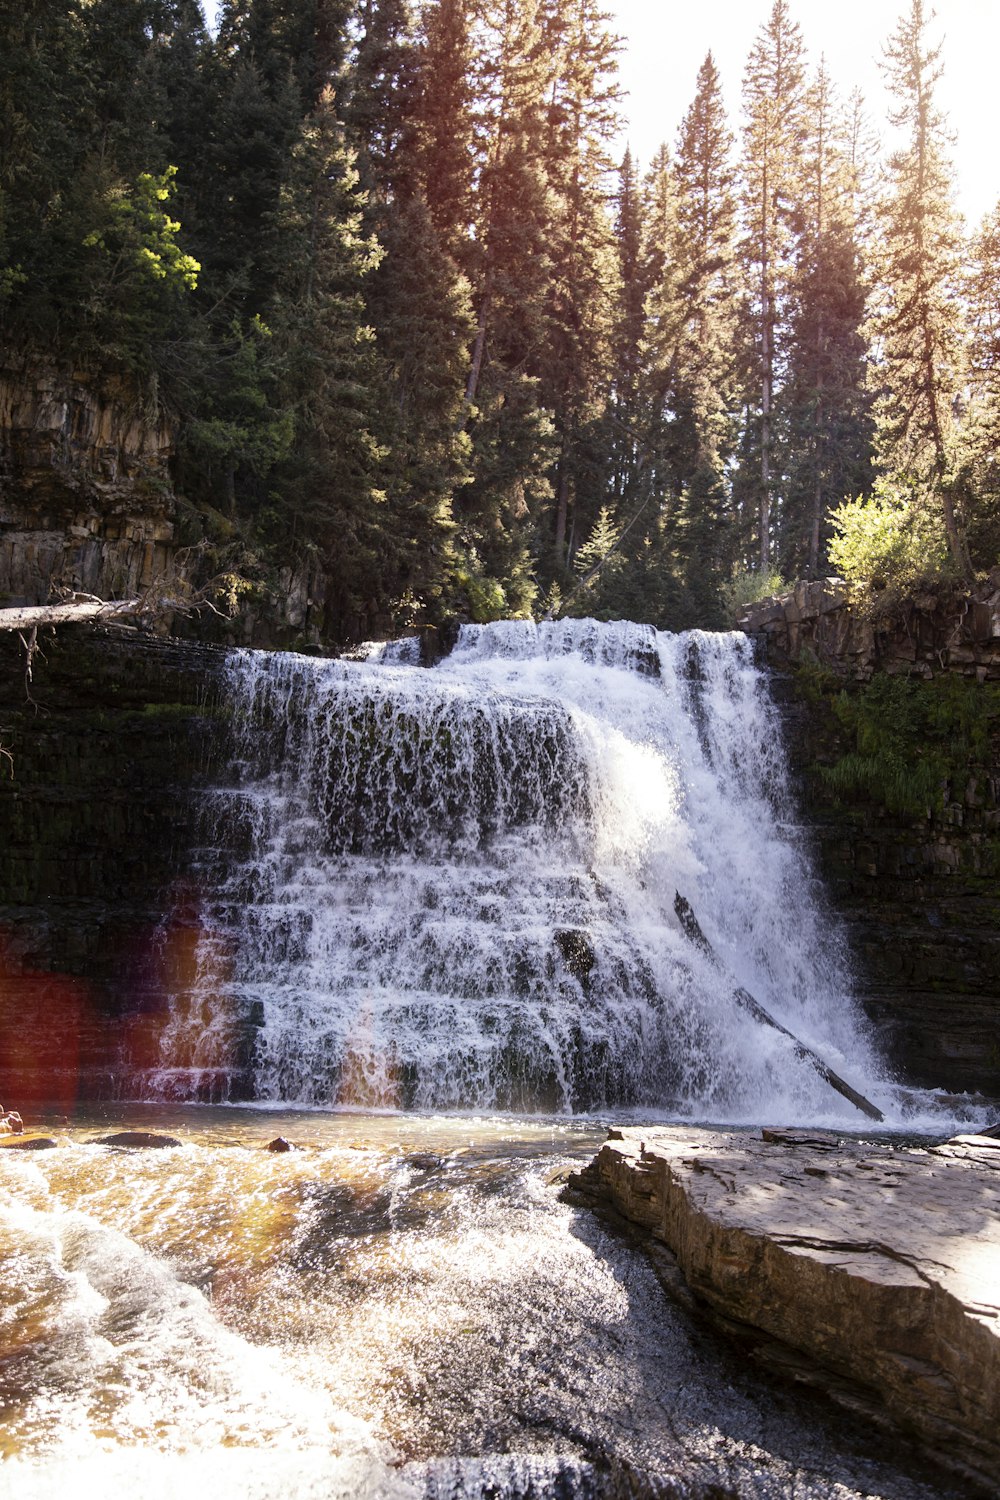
<point x="85" y="496"/>
<point x="98" y="809"/>
<point x="866" y="1270"/>
<point x="912" y="870"/>
<point x="88" y="505"/>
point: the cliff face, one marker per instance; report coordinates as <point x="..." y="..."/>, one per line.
<point x="98" y="809"/>
<point x="85" y="497"/>
<point x="87" y="505"/>
<point x="925" y="636"/>
<point x="917" y="888"/>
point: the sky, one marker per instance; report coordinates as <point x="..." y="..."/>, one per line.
<point x="666" y="40"/>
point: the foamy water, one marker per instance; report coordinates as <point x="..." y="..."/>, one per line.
<point x="400" y="1308"/>
<point x="454" y="888"/>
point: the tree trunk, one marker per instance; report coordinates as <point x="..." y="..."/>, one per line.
<point x="30" y="616"/>
<point x="692" y="928"/>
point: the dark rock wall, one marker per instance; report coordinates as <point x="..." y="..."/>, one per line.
<point x="88" y="505"/>
<point x="917" y="891"/>
<point x="98" y="808"/>
<point x="85" y="496"/>
<point x="920" y="637"/>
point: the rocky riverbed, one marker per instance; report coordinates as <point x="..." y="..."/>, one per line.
<point x="871" y="1270"/>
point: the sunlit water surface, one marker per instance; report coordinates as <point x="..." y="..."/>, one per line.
<point x="402" y="1306"/>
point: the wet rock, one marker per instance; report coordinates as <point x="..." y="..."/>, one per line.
<point x="423" y="1161"/>
<point x="136" y="1140"/>
<point x="577" y="951"/>
<point x="880" y="1266"/>
<point x="279" y="1144"/>
<point x="10" y="1122"/>
<point x="29" y="1143"/>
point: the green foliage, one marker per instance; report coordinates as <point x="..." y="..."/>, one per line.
<point x="139" y="236"/>
<point x="484" y="597"/>
<point x="890" y="540"/>
<point x="749" y="586"/>
<point x="913" y="740"/>
<point x="421" y="339"/>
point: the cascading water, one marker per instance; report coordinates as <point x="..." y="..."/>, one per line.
<point x="453" y="888"/>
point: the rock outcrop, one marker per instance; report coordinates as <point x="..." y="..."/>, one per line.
<point x="877" y="1268"/>
<point x="98" y="816"/>
<point x="922" y="636"/>
<point x="917" y="891"/>
<point x="85" y="497"/>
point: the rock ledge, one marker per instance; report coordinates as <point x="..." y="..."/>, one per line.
<point x="879" y="1264"/>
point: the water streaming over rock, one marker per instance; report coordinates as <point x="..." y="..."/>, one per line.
<point x="402" y="1307"/>
<point x="453" y="887"/>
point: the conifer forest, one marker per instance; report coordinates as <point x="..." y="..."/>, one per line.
<point x="416" y="320"/>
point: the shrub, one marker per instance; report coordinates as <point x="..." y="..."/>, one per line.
<point x="748" y="586"/>
<point x="892" y="540"/>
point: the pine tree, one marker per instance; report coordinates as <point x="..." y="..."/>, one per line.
<point x="43" y="140"/>
<point x="773" y="89"/>
<point x="510" y="431"/>
<point x="625" y="418"/>
<point x="374" y="95"/>
<point x="918" y="319"/>
<point x="829" y="431"/>
<point x="327" y="490"/>
<point x="663" y="333"/>
<point x="441" y="124"/>
<point x="420" y="308"/>
<point x="980" y="444"/>
<point x="706" y="375"/>
<point x="575" y="368"/>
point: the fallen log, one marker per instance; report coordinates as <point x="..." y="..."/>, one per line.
<point x="692" y="929"/>
<point x="30" y="616"/>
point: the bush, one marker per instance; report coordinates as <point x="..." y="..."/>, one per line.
<point x="892" y="540"/>
<point x="748" y="587"/>
<point x="914" y="743"/>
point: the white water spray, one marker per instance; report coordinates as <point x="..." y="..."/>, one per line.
<point x="453" y="888"/>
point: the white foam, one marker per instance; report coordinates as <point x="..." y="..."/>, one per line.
<point x="454" y="888"/>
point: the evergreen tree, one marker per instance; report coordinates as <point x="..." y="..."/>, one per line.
<point x="919" y="317"/>
<point x="980" y="446"/>
<point x="575" y="367"/>
<point x="663" y="332"/>
<point x="441" y="123"/>
<point x="829" y="430"/>
<point x="705" y="358"/>
<point x="43" y="138"/>
<point x="375" y="94"/>
<point x="327" y="493"/>
<point x="773" y="97"/>
<point x="625" y="417"/>
<point x="420" y="308"/>
<point x="509" y="430"/>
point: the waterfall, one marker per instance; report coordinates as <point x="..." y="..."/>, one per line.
<point x="452" y="887"/>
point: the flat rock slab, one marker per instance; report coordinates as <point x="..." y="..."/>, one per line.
<point x="880" y="1264"/>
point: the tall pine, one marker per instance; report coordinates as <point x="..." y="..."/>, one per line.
<point x="773" y="100"/>
<point x="918" y="319"/>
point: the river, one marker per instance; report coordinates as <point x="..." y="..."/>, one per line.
<point x="402" y="1306"/>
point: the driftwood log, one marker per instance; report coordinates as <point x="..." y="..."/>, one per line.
<point x="74" y="611"/>
<point x="692" y="928"/>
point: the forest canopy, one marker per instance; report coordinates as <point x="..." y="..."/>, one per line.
<point x="415" y="323"/>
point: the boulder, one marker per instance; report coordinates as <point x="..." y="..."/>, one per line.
<point x="879" y="1265"/>
<point x="136" y="1140"/>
